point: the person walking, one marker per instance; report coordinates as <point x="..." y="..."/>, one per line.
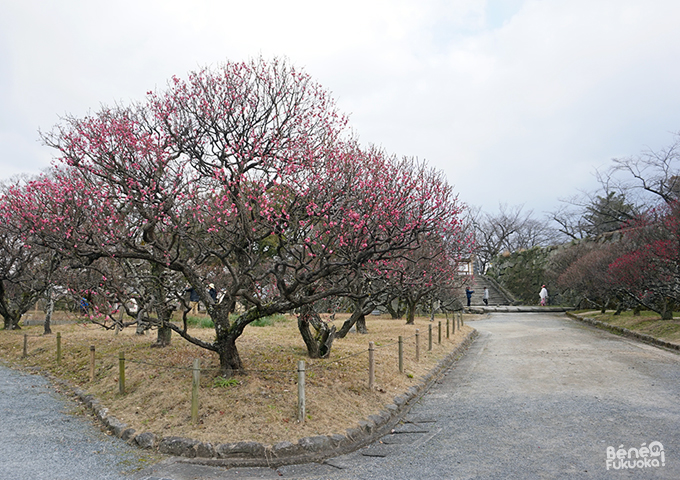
<point x="544" y="296"/>
<point x="193" y="299"/>
<point x="485" y="297"/>
<point x="468" y="294"/>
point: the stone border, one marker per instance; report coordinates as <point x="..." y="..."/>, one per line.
<point x="481" y="309"/>
<point x="254" y="454"/>
<point x="624" y="331"/>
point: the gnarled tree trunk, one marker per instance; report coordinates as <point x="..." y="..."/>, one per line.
<point x="12" y="321"/>
<point x="318" y="344"/>
<point x="361" y="308"/>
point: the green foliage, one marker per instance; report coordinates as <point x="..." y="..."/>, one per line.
<point x="523" y="273"/>
<point x="608" y="213"/>
<point x="200" y="322"/>
<point x="269" y="321"/>
<point x="221" y="382"/>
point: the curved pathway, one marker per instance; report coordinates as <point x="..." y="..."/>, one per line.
<point x="537" y="396"/>
<point x="41" y="439"/>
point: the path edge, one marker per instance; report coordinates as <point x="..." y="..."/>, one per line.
<point x="254" y="454"/>
<point x="643" y="337"/>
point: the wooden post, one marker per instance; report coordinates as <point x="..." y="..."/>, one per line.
<point x="196" y="379"/>
<point x="25" y="354"/>
<point x="371" y="365"/>
<point x="301" y="391"/>
<point x="417" y="345"/>
<point x="429" y="345"/>
<point x="121" y="373"/>
<point x="453" y="322"/>
<point x="440" y="332"/>
<point x="401" y="354"/>
<point x="447" y="327"/>
<point x="58" y="348"/>
<point x="91" y="363"/>
<point x="461" y="319"/>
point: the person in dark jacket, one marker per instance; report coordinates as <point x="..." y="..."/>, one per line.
<point x="468" y="294"/>
<point x="193" y="299"/>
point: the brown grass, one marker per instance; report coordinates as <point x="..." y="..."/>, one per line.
<point x="260" y="406"/>
<point x="647" y="322"/>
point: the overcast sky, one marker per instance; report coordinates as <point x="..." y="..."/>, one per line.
<point x="517" y="101"/>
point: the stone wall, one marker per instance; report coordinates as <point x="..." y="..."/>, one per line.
<point x="523" y="273"/>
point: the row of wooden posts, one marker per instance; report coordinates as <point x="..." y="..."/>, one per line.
<point x="456" y="322"/>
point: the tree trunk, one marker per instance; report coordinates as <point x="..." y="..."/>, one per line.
<point x="164" y="336"/>
<point x="230" y="361"/>
<point x="395" y="313"/>
<point x="667" y="309"/>
<point x="667" y="314"/>
<point x="12" y="322"/>
<point x="318" y="345"/>
<point x="357" y="318"/>
<point x="361" y="324"/>
<point x="48" y="314"/>
<point x="410" y="313"/>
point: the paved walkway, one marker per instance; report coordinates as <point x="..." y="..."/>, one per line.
<point x="537" y="396"/>
<point x="41" y="439"/>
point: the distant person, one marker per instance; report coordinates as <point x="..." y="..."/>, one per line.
<point x="485" y="297"/>
<point x="212" y="292"/>
<point x="468" y="294"/>
<point x="193" y="299"/>
<point x="544" y="296"/>
<point x="84" y="306"/>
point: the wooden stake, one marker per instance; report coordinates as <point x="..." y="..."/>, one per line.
<point x="91" y="363"/>
<point x="301" y="391"/>
<point x="121" y="373"/>
<point x="196" y="381"/>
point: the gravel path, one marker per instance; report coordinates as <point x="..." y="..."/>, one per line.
<point x="41" y="439"/>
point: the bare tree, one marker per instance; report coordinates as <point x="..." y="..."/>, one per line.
<point x="592" y="214"/>
<point x="656" y="173"/>
<point x="510" y="229"/>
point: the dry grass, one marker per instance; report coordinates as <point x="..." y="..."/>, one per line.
<point x="647" y="322"/>
<point x="260" y="406"/>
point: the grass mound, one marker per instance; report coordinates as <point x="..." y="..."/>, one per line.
<point x="647" y="322"/>
<point x="259" y="406"/>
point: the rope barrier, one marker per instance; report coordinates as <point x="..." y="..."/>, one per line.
<point x="316" y="367"/>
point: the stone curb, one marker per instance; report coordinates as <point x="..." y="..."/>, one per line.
<point x="515" y="309"/>
<point x="253" y="454"/>
<point x="625" y="332"/>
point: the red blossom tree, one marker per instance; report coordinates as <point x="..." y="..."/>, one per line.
<point x="237" y="173"/>
<point x="649" y="270"/>
<point x="589" y="276"/>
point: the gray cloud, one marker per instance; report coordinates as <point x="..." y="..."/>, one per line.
<point x="517" y="101"/>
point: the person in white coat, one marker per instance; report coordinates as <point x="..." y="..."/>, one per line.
<point x="544" y="296"/>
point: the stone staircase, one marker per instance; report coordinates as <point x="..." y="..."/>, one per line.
<point x="497" y="296"/>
